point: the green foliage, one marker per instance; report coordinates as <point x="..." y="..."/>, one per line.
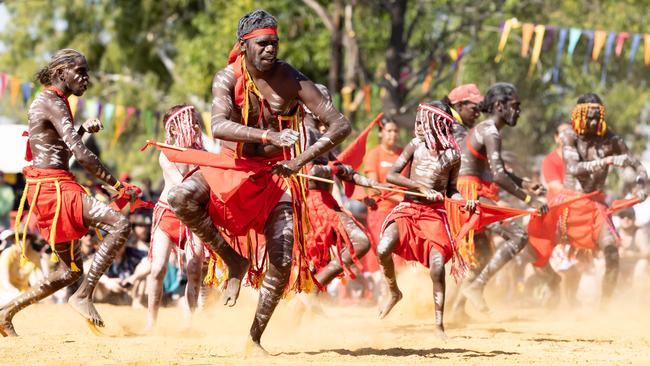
<point x="154" y="54"/>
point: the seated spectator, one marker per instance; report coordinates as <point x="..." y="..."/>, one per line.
<point x="14" y="277"/>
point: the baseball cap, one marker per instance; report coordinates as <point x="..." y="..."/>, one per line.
<point x="465" y="93"/>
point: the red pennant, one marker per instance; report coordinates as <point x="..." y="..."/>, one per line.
<point x="354" y="153"/>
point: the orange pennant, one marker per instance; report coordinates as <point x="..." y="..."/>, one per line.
<point x="527" y="30"/>
<point x="599" y="42"/>
<point x="646" y="44"/>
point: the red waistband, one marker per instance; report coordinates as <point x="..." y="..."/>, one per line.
<point x="33" y="172"/>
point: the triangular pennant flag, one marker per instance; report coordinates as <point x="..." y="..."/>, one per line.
<point x="100" y="109"/>
<point x="505" y="32"/>
<point x="548" y="37"/>
<point x="646" y="45"/>
<point x="26" y="89"/>
<point x="620" y="40"/>
<point x="109" y="113"/>
<point x="599" y="42"/>
<point x="4" y="81"/>
<point x="527" y="30"/>
<point x="15" y="88"/>
<point x="537" y="48"/>
<point x="561" y="40"/>
<point x="609" y="45"/>
<point x="119" y="122"/>
<point x="574" y="37"/>
<point x="354" y="153"/>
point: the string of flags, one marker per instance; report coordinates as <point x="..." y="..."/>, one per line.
<point x="115" y="117"/>
<point x="599" y="42"/>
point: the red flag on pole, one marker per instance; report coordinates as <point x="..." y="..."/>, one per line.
<point x="354" y="153"/>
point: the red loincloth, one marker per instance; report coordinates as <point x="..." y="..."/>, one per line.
<point x="165" y="220"/>
<point x="423" y="227"/>
<point x="327" y="230"/>
<point x="69" y="223"/>
<point x="580" y="223"/>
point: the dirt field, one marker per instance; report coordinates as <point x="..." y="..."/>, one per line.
<point x="54" y="334"/>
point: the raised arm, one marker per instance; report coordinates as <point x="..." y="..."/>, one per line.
<point x="62" y="122"/>
<point x="621" y="148"/>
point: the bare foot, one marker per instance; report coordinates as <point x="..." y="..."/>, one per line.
<point x="148" y="329"/>
<point x="395" y="297"/>
<point x="6" y="327"/>
<point x="86" y="308"/>
<point x="459" y="316"/>
<point x="254" y="349"/>
<point x="235" y="276"/>
<point x="474" y="295"/>
<point x="440" y="334"/>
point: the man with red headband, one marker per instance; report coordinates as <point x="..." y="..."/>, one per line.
<point x="482" y="173"/>
<point x="63" y="208"/>
<point x="588" y="150"/>
<point x="257" y="110"/>
<point x="418" y="229"/>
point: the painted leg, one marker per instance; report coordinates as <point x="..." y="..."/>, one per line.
<point x="98" y="214"/>
<point x="387" y="244"/>
<point x="194" y="269"/>
<point x="517" y="240"/>
<point x="160" y="250"/>
<point x="607" y="243"/>
<point x="360" y="243"/>
<point x="437" y="272"/>
<point x="279" y="240"/>
<point x="483" y="252"/>
<point x="55" y="281"/>
<point x="189" y="202"/>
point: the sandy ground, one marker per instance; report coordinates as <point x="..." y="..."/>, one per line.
<point x="335" y="335"/>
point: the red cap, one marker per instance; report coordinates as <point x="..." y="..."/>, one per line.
<point x="465" y="93"/>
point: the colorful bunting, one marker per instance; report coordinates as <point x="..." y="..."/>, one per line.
<point x="558" y="54"/>
<point x="537" y="48"/>
<point x="646" y="45"/>
<point x="14" y="89"/>
<point x="507" y="26"/>
<point x="526" y="36"/>
<point x="26" y="89"/>
<point x="622" y="36"/>
<point x="574" y="37"/>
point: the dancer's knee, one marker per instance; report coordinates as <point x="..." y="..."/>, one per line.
<point x="362" y="244"/>
<point x="179" y="198"/>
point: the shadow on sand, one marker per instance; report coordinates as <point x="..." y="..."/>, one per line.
<point x="403" y="352"/>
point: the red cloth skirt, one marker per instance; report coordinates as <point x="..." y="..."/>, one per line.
<point x="422" y="227"/>
<point x="69" y="223"/>
<point x="327" y="231"/>
<point x="580" y="223"/>
<point x="165" y="220"/>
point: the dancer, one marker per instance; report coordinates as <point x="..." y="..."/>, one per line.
<point x="256" y="109"/>
<point x="417" y="229"/>
<point x="482" y="172"/>
<point x="589" y="148"/>
<point x="182" y="129"/>
<point x="62" y="207"/>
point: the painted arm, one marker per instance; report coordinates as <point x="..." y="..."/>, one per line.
<point x="500" y="175"/>
<point x="394" y="176"/>
<point x="572" y="164"/>
<point x="323" y="110"/>
<point x="87" y="159"/>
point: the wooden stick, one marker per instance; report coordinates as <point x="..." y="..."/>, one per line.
<point x="324" y="180"/>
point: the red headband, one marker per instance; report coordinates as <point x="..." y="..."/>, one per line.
<point x="256" y="33"/>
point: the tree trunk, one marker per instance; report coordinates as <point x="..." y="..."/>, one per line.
<point x="395" y="57"/>
<point x="336" y="48"/>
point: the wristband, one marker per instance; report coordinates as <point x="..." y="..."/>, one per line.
<point x="334" y="169"/>
<point x="117" y="185"/>
<point x="528" y="199"/>
<point x="264" y="139"/>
